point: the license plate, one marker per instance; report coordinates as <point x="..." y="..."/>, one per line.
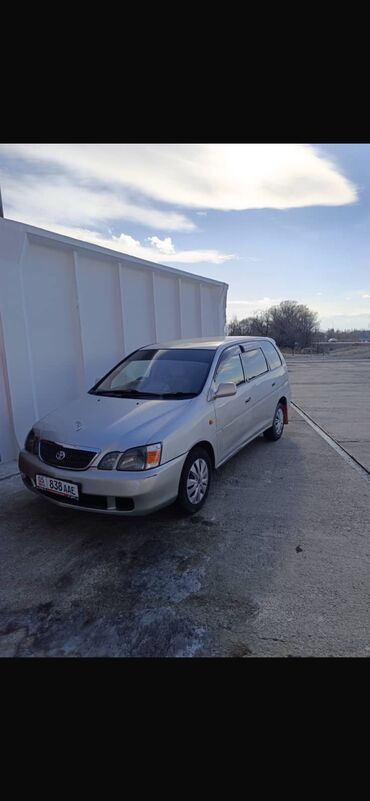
<point x="64" y="488"/>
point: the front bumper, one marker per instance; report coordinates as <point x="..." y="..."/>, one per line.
<point x="109" y="491"/>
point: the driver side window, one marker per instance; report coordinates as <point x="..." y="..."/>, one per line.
<point x="230" y="369"/>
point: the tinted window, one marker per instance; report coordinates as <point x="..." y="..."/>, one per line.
<point x="161" y="373"/>
<point x="273" y="357"/>
<point x="230" y="369"/>
<point x="254" y="363"/>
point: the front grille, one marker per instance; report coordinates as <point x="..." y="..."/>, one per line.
<point x="73" y="458"/>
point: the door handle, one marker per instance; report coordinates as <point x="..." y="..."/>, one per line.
<point x="248" y="399"/>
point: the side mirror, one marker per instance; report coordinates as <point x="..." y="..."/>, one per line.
<point x="225" y="390"/>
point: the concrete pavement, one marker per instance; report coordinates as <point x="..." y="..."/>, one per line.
<point x="276" y="564"/>
<point x="336" y="394"/>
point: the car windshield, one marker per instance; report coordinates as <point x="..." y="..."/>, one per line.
<point x="174" y="374"/>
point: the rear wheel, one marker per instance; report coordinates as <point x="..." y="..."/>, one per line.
<point x="195" y="481"/>
<point x="274" y="433"/>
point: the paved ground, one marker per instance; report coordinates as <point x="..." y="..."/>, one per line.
<point x="336" y="394"/>
<point x="277" y="564"/>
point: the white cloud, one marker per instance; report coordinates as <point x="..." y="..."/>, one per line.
<point x="365" y="296"/>
<point x="261" y="303"/>
<point x="214" y="176"/>
<point x="246" y="308"/>
<point x="158" y="251"/>
<point x="44" y="201"/>
<point x="211" y="256"/>
<point x="165" y="246"/>
<point x="344" y="306"/>
<point x="345" y="321"/>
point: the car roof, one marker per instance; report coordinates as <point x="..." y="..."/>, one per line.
<point x="209" y="343"/>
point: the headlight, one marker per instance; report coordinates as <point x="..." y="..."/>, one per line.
<point x="134" y="459"/>
<point x="32" y="442"/>
<point x="141" y="458"/>
<point x="109" y="461"/>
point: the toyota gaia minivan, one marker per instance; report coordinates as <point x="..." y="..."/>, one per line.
<point x="153" y="429"/>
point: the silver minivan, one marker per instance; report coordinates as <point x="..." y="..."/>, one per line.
<point x="152" y="430"/>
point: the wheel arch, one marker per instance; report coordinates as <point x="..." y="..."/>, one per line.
<point x="284" y="402"/>
<point x="204" y="443"/>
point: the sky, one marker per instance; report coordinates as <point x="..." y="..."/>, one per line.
<point x="275" y="222"/>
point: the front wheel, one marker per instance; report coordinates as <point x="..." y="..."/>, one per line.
<point x="195" y="481"/>
<point x="277" y="427"/>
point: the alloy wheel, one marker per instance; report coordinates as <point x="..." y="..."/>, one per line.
<point x="197" y="481"/>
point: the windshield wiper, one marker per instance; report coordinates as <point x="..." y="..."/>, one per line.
<point x="179" y="395"/>
<point x="137" y="393"/>
<point x="122" y="393"/>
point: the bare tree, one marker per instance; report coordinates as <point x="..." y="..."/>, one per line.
<point x="291" y="324"/>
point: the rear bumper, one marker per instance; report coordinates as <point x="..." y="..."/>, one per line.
<point x="105" y="491"/>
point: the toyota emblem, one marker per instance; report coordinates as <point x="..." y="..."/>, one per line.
<point x="60" y="456"/>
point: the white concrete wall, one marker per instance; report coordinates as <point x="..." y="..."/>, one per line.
<point x="69" y="311"/>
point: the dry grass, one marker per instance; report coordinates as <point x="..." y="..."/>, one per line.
<point x="352" y="351"/>
<point x="337" y="352"/>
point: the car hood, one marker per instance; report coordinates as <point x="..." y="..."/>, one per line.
<point x="93" y="421"/>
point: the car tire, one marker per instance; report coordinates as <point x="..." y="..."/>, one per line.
<point x="195" y="481"/>
<point x="275" y="432"/>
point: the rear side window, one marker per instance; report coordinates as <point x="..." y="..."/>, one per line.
<point x="230" y="368"/>
<point x="273" y="357"/>
<point x="254" y="363"/>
